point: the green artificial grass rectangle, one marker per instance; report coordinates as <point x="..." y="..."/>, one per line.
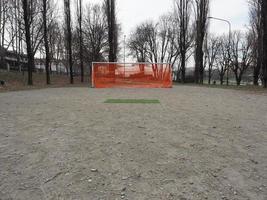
<point x="132" y="101"/>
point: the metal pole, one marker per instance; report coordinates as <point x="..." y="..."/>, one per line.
<point x="124" y="53"/>
<point x="92" y="75"/>
<point x="230" y="33"/>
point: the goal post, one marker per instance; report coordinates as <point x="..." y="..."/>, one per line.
<point x="131" y="75"/>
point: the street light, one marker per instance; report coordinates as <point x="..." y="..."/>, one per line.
<point x="230" y="33"/>
<point x="124" y="47"/>
<point x="124" y="53"/>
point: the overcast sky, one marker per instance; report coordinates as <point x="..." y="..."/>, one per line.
<point x="133" y="12"/>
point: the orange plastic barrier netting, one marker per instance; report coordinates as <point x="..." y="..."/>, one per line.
<point x="143" y="75"/>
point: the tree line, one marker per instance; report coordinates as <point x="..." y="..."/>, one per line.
<point x="82" y="34"/>
<point x="90" y="32"/>
<point x="183" y="34"/>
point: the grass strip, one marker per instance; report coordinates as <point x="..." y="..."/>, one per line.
<point x="132" y="101"/>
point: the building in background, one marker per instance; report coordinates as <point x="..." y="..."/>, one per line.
<point x="12" y="61"/>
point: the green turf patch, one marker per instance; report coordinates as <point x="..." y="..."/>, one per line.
<point x="133" y="101"/>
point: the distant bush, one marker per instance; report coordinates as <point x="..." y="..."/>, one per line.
<point x="189" y="79"/>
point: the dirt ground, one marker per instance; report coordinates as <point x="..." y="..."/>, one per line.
<point x="199" y="143"/>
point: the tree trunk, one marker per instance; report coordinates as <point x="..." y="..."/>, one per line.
<point x="30" y="55"/>
<point x="238" y="79"/>
<point x="221" y="79"/>
<point x="210" y="75"/>
<point x="264" y="27"/>
<point x="47" y="52"/>
<point x="69" y="37"/>
<point x="256" y="74"/>
<point x="0" y="23"/>
<point x="199" y="68"/>
<point x="81" y="42"/>
<point x="57" y="72"/>
<point x="4" y="20"/>
<point x="183" y="66"/>
<point x="200" y="59"/>
<point x="201" y="28"/>
<point x="196" y="73"/>
<point x="238" y="82"/>
<point x="257" y="68"/>
<point x="111" y="29"/>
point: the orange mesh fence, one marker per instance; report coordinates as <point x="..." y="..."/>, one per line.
<point x="136" y="75"/>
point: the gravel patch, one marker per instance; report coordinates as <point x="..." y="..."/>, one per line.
<point x="198" y="143"/>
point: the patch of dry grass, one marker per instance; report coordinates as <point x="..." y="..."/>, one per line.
<point x="18" y="81"/>
<point x="247" y="88"/>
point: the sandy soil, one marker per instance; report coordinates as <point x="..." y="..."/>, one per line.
<point x="199" y="143"/>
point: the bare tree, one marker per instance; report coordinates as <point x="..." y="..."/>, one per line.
<point x="27" y="25"/>
<point x="80" y="30"/>
<point x="15" y="31"/>
<point x="211" y="50"/>
<point x="4" y="17"/>
<point x="173" y="51"/>
<point x="33" y="30"/>
<point x="242" y="58"/>
<point x="202" y="10"/>
<point x="46" y="42"/>
<point x="96" y="33"/>
<point x="4" y="7"/>
<point x="155" y="42"/>
<point x="151" y="34"/>
<point x="11" y="25"/>
<point x="223" y="61"/>
<point x="153" y="45"/>
<point x="69" y="36"/>
<point x="256" y="30"/>
<point x="56" y="44"/>
<point x="182" y="15"/>
<point x="36" y="24"/>
<point x="137" y="44"/>
<point x="144" y="42"/>
<point x="164" y="32"/>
